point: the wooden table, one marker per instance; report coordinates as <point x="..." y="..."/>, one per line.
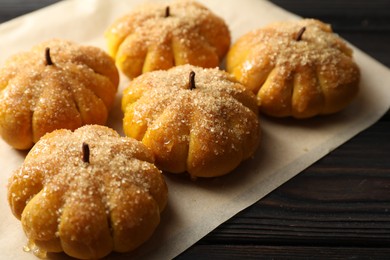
<point x="340" y="206"/>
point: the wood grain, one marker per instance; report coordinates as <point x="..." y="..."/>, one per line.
<point x="216" y="252"/>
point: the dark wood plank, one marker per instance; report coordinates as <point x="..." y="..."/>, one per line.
<point x="287" y="252"/>
<point x="341" y="8"/>
<point x="13" y="8"/>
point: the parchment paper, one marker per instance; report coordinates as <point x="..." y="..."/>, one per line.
<point x="195" y="208"/>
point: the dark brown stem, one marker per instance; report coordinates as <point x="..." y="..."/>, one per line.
<point x="85" y="153"/>
<point x="300" y="34"/>
<point x="192" y="80"/>
<point x="167" y="12"/>
<point x="47" y="57"/>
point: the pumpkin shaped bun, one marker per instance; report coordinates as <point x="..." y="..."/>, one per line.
<point x="87" y="193"/>
<point x="297" y="68"/>
<point x="57" y="84"/>
<point x="193" y="119"/>
<point x="158" y="36"/>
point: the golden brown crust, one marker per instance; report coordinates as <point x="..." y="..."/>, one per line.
<point x="36" y="98"/>
<point x="206" y="131"/>
<point x="88" y="209"/>
<point x="145" y="40"/>
<point x="304" y="77"/>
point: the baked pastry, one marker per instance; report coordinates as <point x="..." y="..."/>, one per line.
<point x="159" y="36"/>
<point x="297" y="68"/>
<point x="88" y="192"/>
<point x="193" y="119"/>
<point x="57" y="84"/>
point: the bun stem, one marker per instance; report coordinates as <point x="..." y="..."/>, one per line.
<point x="85" y="153"/>
<point x="49" y="62"/>
<point x="300" y="34"/>
<point x="167" y="11"/>
<point x="192" y="80"/>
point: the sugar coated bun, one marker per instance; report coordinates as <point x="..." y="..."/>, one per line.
<point x="57" y="84"/>
<point x="195" y="120"/>
<point x="158" y="36"/>
<point x="296" y="68"/>
<point x="88" y="192"/>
